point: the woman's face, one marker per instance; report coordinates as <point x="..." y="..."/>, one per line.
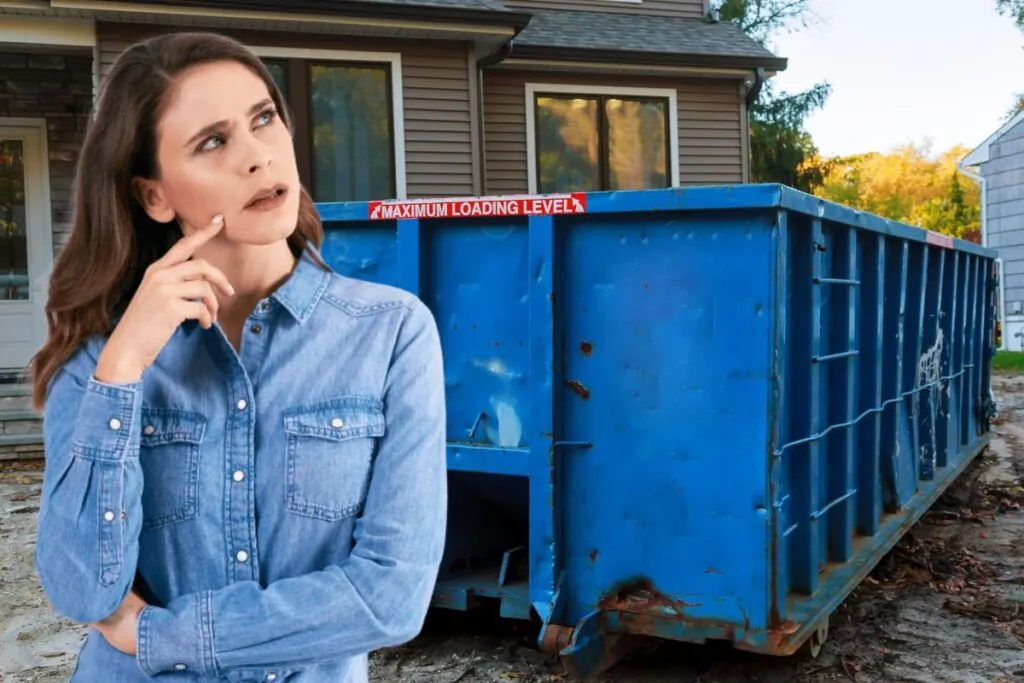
<point x="223" y="149"/>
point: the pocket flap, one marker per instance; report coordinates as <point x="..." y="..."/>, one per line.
<point x="338" y="419"/>
<point x="171" y="425"/>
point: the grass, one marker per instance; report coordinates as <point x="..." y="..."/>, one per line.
<point x="1008" y="361"/>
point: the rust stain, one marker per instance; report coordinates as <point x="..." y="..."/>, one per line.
<point x="578" y="387"/>
<point x="556" y="638"/>
<point x="586" y="348"/>
<point x="640" y="596"/>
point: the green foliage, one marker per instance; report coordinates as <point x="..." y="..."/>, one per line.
<point x="781" y="150"/>
<point x="1013" y="9"/>
<point x="910" y="184"/>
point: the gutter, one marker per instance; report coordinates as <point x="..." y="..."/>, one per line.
<point x="349" y="8"/>
<point x="709" y="60"/>
<point x="983" y="191"/>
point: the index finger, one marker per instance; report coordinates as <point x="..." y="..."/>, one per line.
<point x="186" y="246"/>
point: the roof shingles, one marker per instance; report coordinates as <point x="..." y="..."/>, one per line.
<point x="639" y="34"/>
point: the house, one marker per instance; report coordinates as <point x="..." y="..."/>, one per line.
<point x="479" y="97"/>
<point x="997" y="164"/>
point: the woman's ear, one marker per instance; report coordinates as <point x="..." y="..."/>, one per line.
<point x="151" y="196"/>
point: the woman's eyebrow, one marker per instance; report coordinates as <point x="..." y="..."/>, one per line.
<point x="221" y="125"/>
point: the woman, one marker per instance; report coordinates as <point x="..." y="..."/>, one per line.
<point x="252" y="443"/>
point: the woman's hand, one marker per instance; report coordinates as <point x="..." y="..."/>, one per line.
<point x="173" y="290"/>
<point x="120" y="628"/>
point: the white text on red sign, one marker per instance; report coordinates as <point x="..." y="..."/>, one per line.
<point x="479" y="207"/>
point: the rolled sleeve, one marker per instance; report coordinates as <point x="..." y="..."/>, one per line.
<point x="177" y="639"/>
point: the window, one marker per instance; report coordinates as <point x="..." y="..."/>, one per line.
<point x="605" y="140"/>
<point x="345" y="122"/>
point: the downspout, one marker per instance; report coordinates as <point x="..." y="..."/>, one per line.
<point x="755" y="89"/>
<point x="499" y="55"/>
<point x="982" y="189"/>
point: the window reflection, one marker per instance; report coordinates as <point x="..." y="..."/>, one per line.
<point x="588" y="143"/>
<point x="351" y="115"/>
<point x="13" y="226"/>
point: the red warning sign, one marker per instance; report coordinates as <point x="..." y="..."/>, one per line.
<point x="938" y="239"/>
<point x="472" y="207"/>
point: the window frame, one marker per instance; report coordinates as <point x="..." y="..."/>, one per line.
<point x="535" y="90"/>
<point x="392" y="61"/>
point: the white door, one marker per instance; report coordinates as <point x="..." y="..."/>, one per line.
<point x="25" y="240"/>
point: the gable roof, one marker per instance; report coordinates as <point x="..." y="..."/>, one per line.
<point x="979" y="155"/>
<point x="603" y="36"/>
<point x="477" y="11"/>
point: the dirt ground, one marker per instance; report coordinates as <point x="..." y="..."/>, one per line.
<point x="944" y="606"/>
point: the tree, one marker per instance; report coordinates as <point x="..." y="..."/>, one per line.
<point x="1013" y="9"/>
<point x="910" y="184"/>
<point x="781" y="150"/>
<point x="1018" y="106"/>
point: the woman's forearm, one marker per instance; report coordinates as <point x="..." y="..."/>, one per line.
<point x="91" y="510"/>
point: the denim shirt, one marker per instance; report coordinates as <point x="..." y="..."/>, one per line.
<point x="284" y="507"/>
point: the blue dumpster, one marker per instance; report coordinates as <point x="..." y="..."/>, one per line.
<point x="691" y="414"/>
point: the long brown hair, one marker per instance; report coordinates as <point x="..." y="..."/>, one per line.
<point x="113" y="240"/>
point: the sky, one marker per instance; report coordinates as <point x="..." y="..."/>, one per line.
<point x="903" y="70"/>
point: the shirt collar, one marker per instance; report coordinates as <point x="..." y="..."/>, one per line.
<point x="304" y="288"/>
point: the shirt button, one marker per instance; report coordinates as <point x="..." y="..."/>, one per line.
<point x="241" y="404"/>
<point x="180" y="667"/>
<point x="337" y="423"/>
<point x="242" y="556"/>
<point x="115" y="424"/>
<point x="256" y="329"/>
<point x="265" y="306"/>
<point x="149" y="430"/>
<point x="271" y="677"/>
<point x="238" y="475"/>
<point x="109" y="516"/>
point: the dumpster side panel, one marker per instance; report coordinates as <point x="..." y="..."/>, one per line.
<point x="667" y="328"/>
<point x="883" y="402"/>
<point x="692" y="413"/>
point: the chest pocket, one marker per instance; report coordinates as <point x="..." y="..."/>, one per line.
<point x="169" y="455"/>
<point x="330" y="449"/>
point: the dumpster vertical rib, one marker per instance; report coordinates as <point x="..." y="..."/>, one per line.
<point x="895" y="310"/>
<point x="843" y="442"/>
<point x="917" y="294"/>
<point x="987" y="341"/>
<point x="930" y="365"/>
<point x="957" y="399"/>
<point x="544" y="471"/>
<point x="947" y="409"/>
<point x="869" y="501"/>
<point x="409" y="256"/>
<point x="969" y="399"/>
<point x="780" y="405"/>
<point x="808" y="530"/>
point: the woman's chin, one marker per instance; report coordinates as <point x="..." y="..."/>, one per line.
<point x="262" y="229"/>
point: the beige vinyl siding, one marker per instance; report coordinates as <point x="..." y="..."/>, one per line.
<point x="711" y="128"/>
<point x="438" y="121"/>
<point x="673" y="8"/>
<point x="436" y="96"/>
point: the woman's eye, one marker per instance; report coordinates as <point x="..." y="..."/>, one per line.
<point x="267" y="116"/>
<point x="208" y="143"/>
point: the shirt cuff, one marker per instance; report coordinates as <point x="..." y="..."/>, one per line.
<point x="107" y="421"/>
<point x="178" y="640"/>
